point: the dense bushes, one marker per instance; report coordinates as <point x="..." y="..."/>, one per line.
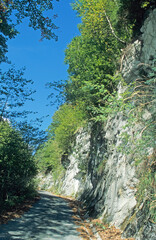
<point x="66" y="121"/>
<point x="17" y="167"/>
<point x="48" y="156"/>
<point x="93" y="57"/>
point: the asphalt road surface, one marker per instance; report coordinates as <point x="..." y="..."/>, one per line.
<point x="49" y="219"/>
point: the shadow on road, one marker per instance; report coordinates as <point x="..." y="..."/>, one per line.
<point x="49" y="218"/>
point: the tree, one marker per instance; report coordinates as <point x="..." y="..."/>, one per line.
<point x="48" y="156"/>
<point x="32" y="136"/>
<point x="14" y="92"/>
<point x="17" y="167"/>
<point x="13" y="12"/>
<point x="65" y="122"/>
<point x="7" y="30"/>
<point x="91" y="69"/>
<point x="99" y="18"/>
<point x="92" y="57"/>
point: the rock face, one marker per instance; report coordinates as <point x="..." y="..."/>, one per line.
<point x="98" y="173"/>
<point x="108" y="188"/>
<point x="149" y="38"/>
<point x="76" y="171"/>
<point x="141" y="51"/>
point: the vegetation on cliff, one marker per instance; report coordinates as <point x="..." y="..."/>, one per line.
<point x="93" y="60"/>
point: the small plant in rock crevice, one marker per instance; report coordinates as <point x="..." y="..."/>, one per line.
<point x="140" y="141"/>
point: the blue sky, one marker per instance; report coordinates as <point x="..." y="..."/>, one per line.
<point x="44" y="61"/>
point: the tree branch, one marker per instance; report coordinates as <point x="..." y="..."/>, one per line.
<point x="146" y="128"/>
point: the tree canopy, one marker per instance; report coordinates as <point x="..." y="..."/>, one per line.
<point x="19" y="140"/>
<point x="14" y="92"/>
<point x="92" y="57"/>
<point x="13" y="12"/>
<point x="17" y="167"/>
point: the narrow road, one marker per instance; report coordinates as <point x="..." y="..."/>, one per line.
<point x="49" y="219"/>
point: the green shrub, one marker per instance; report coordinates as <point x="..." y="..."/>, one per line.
<point x="17" y="167"/>
<point x="48" y="156"/>
<point x="65" y="122"/>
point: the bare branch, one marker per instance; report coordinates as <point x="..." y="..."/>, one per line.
<point x="146" y="128"/>
<point x="113" y="29"/>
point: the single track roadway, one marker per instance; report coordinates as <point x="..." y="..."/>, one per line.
<point x="49" y="219"/>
